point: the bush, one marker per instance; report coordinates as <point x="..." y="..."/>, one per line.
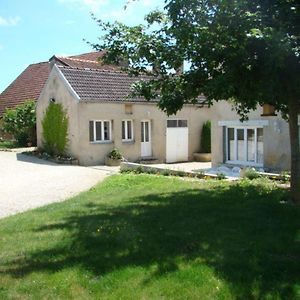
<point x="206" y="137"/>
<point x="21" y="123"/>
<point x="115" y="154"/>
<point x="166" y="172"/>
<point x="200" y="174"/>
<point x="55" y="129"/>
<point x="221" y="176"/>
<point x="139" y="170"/>
<point x="251" y="174"/>
<point x="285" y="176"/>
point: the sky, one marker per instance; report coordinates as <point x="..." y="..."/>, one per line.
<point x="31" y="31"/>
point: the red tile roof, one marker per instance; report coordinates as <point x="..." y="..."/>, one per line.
<point x="29" y="84"/>
<point x="85" y="64"/>
<point x="89" y="56"/>
<point x="99" y="85"/>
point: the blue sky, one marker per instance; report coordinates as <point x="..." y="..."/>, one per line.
<point x="32" y="31"/>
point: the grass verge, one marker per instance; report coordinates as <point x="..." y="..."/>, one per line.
<point x="152" y="237"/>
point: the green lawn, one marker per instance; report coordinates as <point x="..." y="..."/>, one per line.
<point x="155" y="237"/>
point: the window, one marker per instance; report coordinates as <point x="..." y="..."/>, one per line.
<point x="176" y="123"/>
<point x="100" y="131"/>
<point x="127" y="130"/>
<point x="244" y="145"/>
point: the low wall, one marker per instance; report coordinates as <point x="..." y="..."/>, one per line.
<point x="128" y="166"/>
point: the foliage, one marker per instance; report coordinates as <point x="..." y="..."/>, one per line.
<point x="245" y="51"/>
<point x="285" y="176"/>
<point x="21" y="122"/>
<point x="115" y="154"/>
<point x="221" y="176"/>
<point x="139" y="170"/>
<point x="206" y="137"/>
<point x="55" y="129"/>
<point x="166" y="172"/>
<point x="251" y="173"/>
<point x="165" y="239"/>
<point x="7" y="144"/>
<point x="200" y="174"/>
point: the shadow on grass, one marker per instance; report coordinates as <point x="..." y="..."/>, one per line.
<point x="242" y="232"/>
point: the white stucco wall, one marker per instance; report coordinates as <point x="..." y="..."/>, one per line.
<point x="276" y="142"/>
<point x="80" y="113"/>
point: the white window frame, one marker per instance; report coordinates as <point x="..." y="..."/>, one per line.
<point x="242" y="162"/>
<point x="177" y="123"/>
<point x="126" y="139"/>
<point x="102" y="140"/>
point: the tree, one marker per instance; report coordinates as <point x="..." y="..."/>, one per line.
<point x="246" y="51"/>
<point x="55" y="129"/>
<point x="21" y="122"/>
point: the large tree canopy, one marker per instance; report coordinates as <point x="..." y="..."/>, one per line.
<point x="246" y="51"/>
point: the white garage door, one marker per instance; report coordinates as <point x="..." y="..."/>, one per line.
<point x="177" y="141"/>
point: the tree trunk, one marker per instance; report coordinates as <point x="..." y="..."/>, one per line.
<point x="295" y="152"/>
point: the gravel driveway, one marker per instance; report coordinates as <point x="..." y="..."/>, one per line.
<point x="27" y="182"/>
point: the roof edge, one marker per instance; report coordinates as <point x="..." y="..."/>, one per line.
<point x="66" y="82"/>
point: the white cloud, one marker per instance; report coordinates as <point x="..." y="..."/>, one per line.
<point x="92" y="5"/>
<point x="11" y="21"/>
<point x="134" y="12"/>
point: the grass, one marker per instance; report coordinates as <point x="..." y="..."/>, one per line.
<point x="7" y="144"/>
<point x="153" y="237"/>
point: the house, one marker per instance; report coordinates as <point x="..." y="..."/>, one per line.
<point x="102" y="117"/>
<point x="262" y="141"/>
<point x="29" y="84"/>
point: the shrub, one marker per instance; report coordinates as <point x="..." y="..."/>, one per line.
<point x="251" y="174"/>
<point x="139" y="170"/>
<point x="180" y="173"/>
<point x="166" y="172"/>
<point x="221" y="176"/>
<point x="285" y="176"/>
<point x="200" y="174"/>
<point x="55" y="129"/>
<point x="115" y="154"/>
<point x="151" y="171"/>
<point x="21" y="123"/>
<point x="206" y="137"/>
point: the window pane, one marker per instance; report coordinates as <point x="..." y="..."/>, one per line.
<point x="123" y="130"/>
<point x="129" y="130"/>
<point x="146" y="131"/>
<point x="231" y="144"/>
<point x="98" y="131"/>
<point x="240" y="145"/>
<point x="142" y="132"/>
<point x="182" y="123"/>
<point x="91" y="129"/>
<point x="250" y="145"/>
<point x="106" y="131"/>
<point x="171" y="123"/>
<point x="260" y="146"/>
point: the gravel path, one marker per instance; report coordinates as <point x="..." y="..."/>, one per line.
<point x="27" y="182"/>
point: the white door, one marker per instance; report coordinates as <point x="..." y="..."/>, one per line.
<point x="177" y="143"/>
<point x="146" y="148"/>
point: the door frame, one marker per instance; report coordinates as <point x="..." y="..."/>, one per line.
<point x="149" y="135"/>
<point x="235" y="160"/>
<point x="178" y="126"/>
